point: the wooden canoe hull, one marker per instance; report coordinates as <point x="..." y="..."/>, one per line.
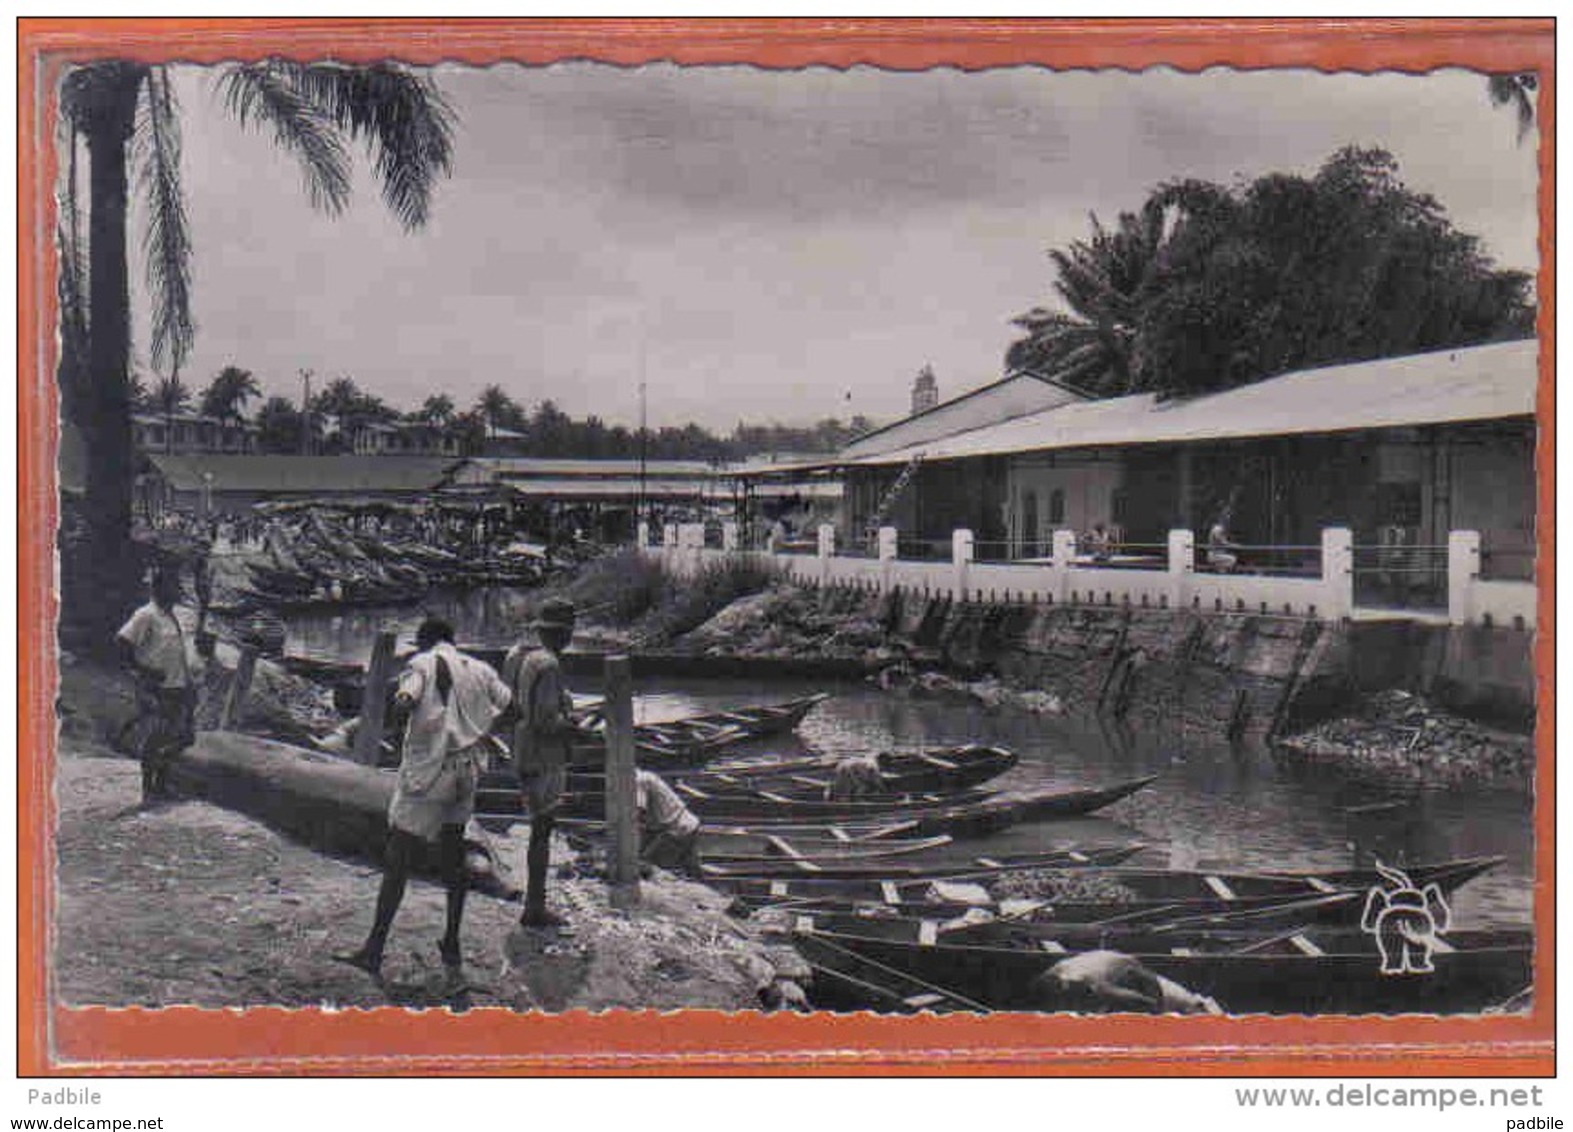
<point x="1466" y="980"/>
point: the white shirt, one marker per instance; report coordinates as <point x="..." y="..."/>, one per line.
<point x="158" y="643"/>
<point x="436" y="727"/>
<point x="660" y="809"/>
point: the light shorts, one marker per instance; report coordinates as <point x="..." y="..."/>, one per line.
<point x="450" y="801"/>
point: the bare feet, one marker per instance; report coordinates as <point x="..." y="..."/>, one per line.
<point x="541" y="918"/>
<point x="363" y="960"/>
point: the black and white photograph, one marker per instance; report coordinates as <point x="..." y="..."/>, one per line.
<point x="570" y="536"/>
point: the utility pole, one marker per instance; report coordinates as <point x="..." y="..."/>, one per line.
<point x="305" y="412"/>
<point x="644" y="431"/>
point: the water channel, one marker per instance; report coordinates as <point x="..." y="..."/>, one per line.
<point x="1214" y="806"/>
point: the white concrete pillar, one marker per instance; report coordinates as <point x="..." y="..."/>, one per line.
<point x="729" y="535"/>
<point x="961" y="551"/>
<point x="669" y="546"/>
<point x="1463" y="570"/>
<point x="1338" y="572"/>
<point x="887" y="546"/>
<point x="827" y="550"/>
<point x="1182" y="564"/>
<point x="643" y="537"/>
<point x="1062" y="551"/>
<point x="1062" y="557"/>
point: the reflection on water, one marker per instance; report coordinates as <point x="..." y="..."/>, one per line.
<point x="491" y="616"/>
<point x="1214" y="805"/>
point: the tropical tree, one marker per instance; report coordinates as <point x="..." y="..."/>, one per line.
<point x="1213" y="287"/>
<point x="1103" y="282"/>
<point x="438" y="409"/>
<point x="497" y="409"/>
<point x="1517" y="91"/>
<point x="170" y="397"/>
<point x="226" y="395"/>
<point x="280" y="426"/>
<point x="124" y="115"/>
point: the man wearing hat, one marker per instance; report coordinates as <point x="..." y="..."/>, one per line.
<point x="447" y="702"/>
<point x="542" y="741"/>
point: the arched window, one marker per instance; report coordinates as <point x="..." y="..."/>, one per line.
<point x="1056" y="507"/>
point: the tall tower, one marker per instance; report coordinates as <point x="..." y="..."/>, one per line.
<point x="925" y="391"/>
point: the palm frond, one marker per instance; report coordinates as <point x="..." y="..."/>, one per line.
<point x="401" y="117"/>
<point x="167" y="242"/>
<point x="1514" y="91"/>
<point x="265" y="93"/>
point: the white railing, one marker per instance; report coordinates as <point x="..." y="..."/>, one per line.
<point x="1066" y="577"/>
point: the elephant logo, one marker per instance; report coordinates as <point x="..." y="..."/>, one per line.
<point x="1406" y="921"/>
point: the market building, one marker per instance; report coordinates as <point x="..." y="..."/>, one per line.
<point x="1401" y="451"/>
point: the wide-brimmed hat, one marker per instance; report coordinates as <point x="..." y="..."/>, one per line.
<point x="555" y="613"/>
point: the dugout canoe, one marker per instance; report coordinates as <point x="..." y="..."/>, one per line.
<point x="843" y="980"/>
<point x="940" y="771"/>
<point x="1310" y="971"/>
<point x="796" y="856"/>
<point x="971" y="812"/>
<point x="1112" y="896"/>
<point x="975" y="813"/>
<point x="757" y="887"/>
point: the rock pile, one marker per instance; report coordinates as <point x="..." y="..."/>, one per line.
<point x="1397" y="734"/>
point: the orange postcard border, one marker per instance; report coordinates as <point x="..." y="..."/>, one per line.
<point x="53" y="1040"/>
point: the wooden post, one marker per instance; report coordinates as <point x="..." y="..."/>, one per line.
<point x="236" y="696"/>
<point x="374" y="702"/>
<point x="622" y="816"/>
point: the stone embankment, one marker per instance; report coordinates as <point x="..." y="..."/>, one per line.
<point x="1242" y="675"/>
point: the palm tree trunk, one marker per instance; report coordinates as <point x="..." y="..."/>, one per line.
<point x="111" y="581"/>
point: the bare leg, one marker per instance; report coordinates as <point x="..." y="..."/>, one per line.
<point x="395" y="878"/>
<point x="451" y="850"/>
<point x="537" y="860"/>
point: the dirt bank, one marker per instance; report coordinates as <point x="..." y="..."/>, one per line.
<point x="187" y="903"/>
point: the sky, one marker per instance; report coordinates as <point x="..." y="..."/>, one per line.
<point x="757" y="245"/>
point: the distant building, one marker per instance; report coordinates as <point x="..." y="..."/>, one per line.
<point x="925" y="391"/>
<point x="1400" y="450"/>
<point x="214" y="484"/>
<point x="404" y="438"/>
<point x="601" y="498"/>
<point x="187" y="433"/>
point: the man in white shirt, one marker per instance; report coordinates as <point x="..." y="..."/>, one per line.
<point x="669" y="831"/>
<point x="153" y="646"/>
<point x="449" y="701"/>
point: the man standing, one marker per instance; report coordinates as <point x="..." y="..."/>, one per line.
<point x="542" y="742"/>
<point x="449" y="701"/>
<point x="153" y="646"/>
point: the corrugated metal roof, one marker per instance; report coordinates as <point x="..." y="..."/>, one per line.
<point x="1479" y="383"/>
<point x="291" y="474"/>
<point x="512" y="467"/>
<point x="623" y="488"/>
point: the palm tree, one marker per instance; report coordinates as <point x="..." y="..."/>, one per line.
<point x="1103" y="281"/>
<point x="496" y="406"/>
<point x="227" y="394"/>
<point x="1517" y="91"/>
<point x="169" y="397"/>
<point x="124" y="114"/>
<point x="438" y="409"/>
